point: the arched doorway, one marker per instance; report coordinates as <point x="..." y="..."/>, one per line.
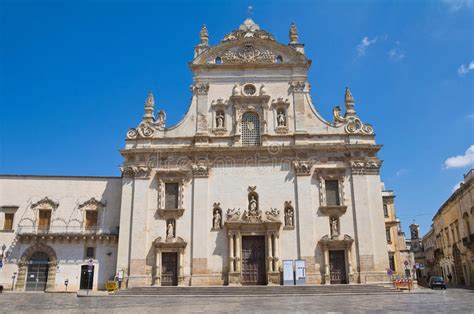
<point x="87" y="277"/>
<point x="37" y="268"/>
<point x="37" y="275"/>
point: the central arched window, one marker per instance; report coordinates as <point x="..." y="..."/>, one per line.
<point x="250" y="129"/>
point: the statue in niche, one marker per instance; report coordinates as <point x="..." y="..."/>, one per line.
<point x="253" y="205"/>
<point x="281" y="118"/>
<point x="220" y="120"/>
<point x="217" y="220"/>
<point x="170" y="230"/>
<point x="334" y="227"/>
<point x="289" y="217"/>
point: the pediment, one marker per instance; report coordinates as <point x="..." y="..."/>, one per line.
<point x="253" y="51"/>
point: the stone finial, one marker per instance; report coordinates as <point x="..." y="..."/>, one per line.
<point x="349" y="102"/>
<point x="149" y="107"/>
<point x="204" y="36"/>
<point x="293" y="34"/>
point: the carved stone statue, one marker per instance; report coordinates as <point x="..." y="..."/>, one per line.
<point x="289" y="217"/>
<point x="253" y="205"/>
<point x="220" y="120"/>
<point x="334" y="228"/>
<point x="217" y="220"/>
<point x="170" y="230"/>
<point x="281" y="118"/>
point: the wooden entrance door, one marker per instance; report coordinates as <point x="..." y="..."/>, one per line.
<point x="337" y="266"/>
<point x="169" y="269"/>
<point x="87" y="277"/>
<point x="253" y="260"/>
<point x="37" y="276"/>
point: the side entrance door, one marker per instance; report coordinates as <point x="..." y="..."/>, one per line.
<point x="253" y="260"/>
<point x="87" y="277"/>
<point x="169" y="269"/>
<point x="337" y="267"/>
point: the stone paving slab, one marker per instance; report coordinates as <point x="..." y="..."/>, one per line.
<point x="440" y="301"/>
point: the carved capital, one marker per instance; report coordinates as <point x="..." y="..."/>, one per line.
<point x="200" y="88"/>
<point x="298" y="86"/>
<point x="302" y="168"/>
<point x="200" y="169"/>
<point x="360" y="167"/>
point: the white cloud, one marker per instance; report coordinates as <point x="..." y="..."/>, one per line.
<point x="465" y="68"/>
<point x="470" y="116"/>
<point x="456" y="5"/>
<point x="461" y="161"/>
<point x="456" y="186"/>
<point x="364" y="44"/>
<point x="396" y="54"/>
<point x="401" y="172"/>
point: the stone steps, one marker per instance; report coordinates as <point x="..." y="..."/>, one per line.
<point x="257" y="290"/>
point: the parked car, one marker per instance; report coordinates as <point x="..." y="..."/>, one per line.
<point x="437" y="282"/>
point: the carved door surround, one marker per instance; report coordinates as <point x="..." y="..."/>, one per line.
<point x="344" y="244"/>
<point x="242" y="103"/>
<point x="331" y="210"/>
<point x="236" y="229"/>
<point x="171" y="245"/>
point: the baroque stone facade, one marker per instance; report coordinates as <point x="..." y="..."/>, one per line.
<point x="251" y="176"/>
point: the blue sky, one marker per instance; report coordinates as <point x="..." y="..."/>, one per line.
<point x="74" y="76"/>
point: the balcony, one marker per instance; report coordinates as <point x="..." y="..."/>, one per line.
<point x="333" y="210"/>
<point x="468" y="241"/>
<point x="54" y="233"/>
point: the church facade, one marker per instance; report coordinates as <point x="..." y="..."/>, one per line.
<point x="252" y="176"/>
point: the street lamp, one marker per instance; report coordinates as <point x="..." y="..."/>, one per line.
<point x="4" y="247"/>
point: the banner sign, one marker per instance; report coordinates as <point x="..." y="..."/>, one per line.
<point x="300" y="269"/>
<point x="288" y="275"/>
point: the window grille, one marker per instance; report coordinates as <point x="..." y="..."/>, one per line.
<point x="332" y="192"/>
<point x="250" y="129"/>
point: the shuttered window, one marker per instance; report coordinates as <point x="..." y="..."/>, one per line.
<point x="44" y="219"/>
<point x="8" y="224"/>
<point x="389" y="237"/>
<point x="171" y="198"/>
<point x="91" y="218"/>
<point x="332" y="192"/>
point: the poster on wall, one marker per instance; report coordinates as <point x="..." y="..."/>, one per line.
<point x="288" y="276"/>
<point x="300" y="270"/>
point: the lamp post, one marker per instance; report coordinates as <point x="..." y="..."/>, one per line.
<point x="4" y="247"/>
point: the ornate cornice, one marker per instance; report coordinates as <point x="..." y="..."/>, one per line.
<point x="45" y="203"/>
<point x="136" y="171"/>
<point x="92" y="204"/>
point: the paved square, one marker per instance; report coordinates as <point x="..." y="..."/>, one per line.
<point x="451" y="300"/>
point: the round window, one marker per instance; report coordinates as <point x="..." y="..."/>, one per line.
<point x="250" y="89"/>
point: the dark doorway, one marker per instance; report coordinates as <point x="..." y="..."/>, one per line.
<point x="169" y="269"/>
<point x="253" y="260"/>
<point x="337" y="267"/>
<point x="37" y="276"/>
<point x="87" y="277"/>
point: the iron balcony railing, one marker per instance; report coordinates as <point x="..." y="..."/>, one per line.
<point x="68" y="230"/>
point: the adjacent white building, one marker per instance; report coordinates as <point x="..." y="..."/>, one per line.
<point x="253" y="175"/>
